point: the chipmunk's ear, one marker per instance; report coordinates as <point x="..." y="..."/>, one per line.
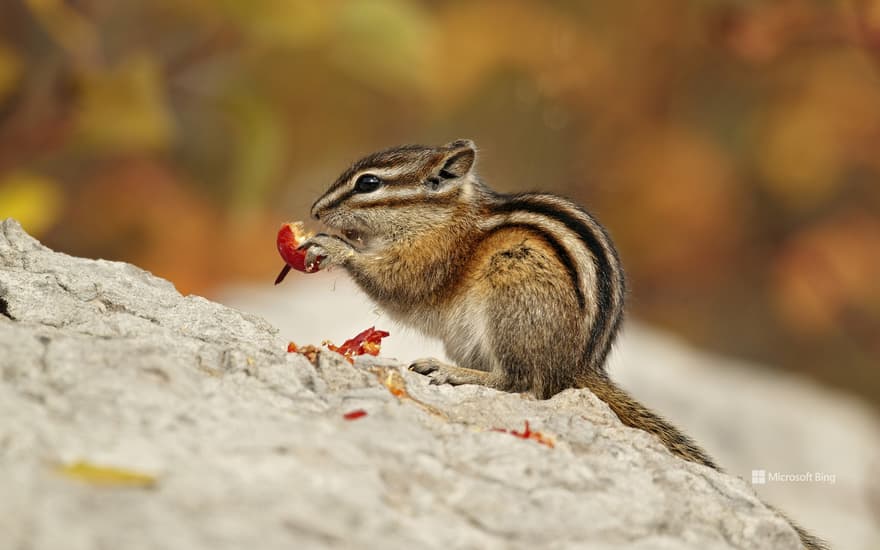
<point x="460" y="158"/>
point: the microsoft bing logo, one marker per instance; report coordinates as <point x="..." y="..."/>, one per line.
<point x="762" y="477"/>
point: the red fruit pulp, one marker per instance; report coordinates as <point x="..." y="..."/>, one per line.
<point x="290" y="237"/>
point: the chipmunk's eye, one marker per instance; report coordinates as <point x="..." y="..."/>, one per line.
<point x="367" y="183"/>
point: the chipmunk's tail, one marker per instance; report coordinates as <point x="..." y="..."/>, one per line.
<point x="635" y="415"/>
<point x="809" y="541"/>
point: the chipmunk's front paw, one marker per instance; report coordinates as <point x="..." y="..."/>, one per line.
<point x="329" y="249"/>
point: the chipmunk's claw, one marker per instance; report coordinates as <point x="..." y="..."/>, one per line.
<point x="429" y="367"/>
<point x="329" y="249"/>
<point x="441" y="373"/>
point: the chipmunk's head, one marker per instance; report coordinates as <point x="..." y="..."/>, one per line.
<point x="399" y="192"/>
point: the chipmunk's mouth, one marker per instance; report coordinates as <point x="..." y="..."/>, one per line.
<point x="357" y="238"/>
<point x="353" y="231"/>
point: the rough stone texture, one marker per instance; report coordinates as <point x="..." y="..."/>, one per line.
<point x="748" y="416"/>
<point x="105" y="364"/>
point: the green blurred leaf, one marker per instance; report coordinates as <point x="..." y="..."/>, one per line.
<point x="259" y="145"/>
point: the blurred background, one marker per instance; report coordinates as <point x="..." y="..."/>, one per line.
<point x="732" y="148"/>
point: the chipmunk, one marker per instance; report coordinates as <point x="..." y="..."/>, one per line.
<point x="526" y="291"/>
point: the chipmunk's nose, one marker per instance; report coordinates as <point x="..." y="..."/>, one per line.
<point x="321" y="208"/>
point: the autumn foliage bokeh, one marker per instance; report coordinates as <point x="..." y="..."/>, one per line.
<point x="732" y="148"/>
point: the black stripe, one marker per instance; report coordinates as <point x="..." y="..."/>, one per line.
<point x="342" y="198"/>
<point x="558" y="249"/>
<point x="440" y="198"/>
<point x="399" y="181"/>
<point x="604" y="272"/>
<point x="433" y="199"/>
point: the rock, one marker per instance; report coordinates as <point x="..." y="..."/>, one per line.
<point x="747" y="416"/>
<point x="139" y="418"/>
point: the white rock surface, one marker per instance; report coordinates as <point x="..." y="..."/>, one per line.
<point x="747" y="416"/>
<point x="106" y="365"/>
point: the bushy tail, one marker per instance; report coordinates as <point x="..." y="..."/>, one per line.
<point x="809" y="541"/>
<point x="635" y="415"/>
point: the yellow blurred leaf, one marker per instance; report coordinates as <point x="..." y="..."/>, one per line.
<point x="10" y="71"/>
<point x="529" y="36"/>
<point x="106" y="475"/>
<point x="801" y="158"/>
<point x="278" y="23"/>
<point x="124" y="109"/>
<point x="382" y="43"/>
<point x="34" y="200"/>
